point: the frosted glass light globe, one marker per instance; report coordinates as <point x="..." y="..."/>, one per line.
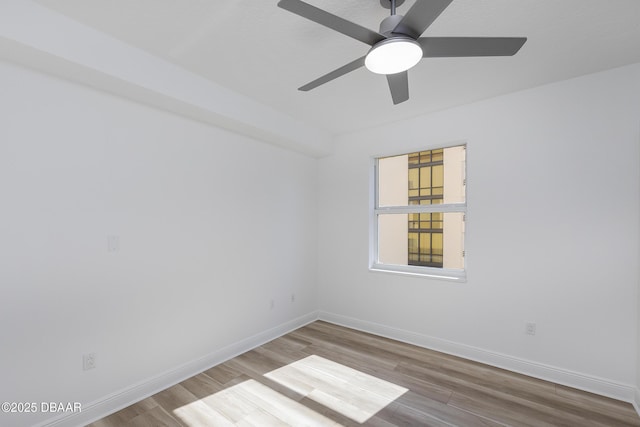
<point x="393" y="55"/>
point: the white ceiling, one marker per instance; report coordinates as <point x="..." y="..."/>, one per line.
<point x="264" y="52"/>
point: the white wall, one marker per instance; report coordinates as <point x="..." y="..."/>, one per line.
<point x="211" y="225"/>
<point x="552" y="233"/>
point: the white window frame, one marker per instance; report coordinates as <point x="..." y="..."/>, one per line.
<point x="458" y="275"/>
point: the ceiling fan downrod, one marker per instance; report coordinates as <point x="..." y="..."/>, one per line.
<point x="391" y="4"/>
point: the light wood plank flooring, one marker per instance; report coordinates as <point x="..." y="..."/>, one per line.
<point x="327" y="375"/>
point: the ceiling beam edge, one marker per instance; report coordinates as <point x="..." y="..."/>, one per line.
<point x="34" y="36"/>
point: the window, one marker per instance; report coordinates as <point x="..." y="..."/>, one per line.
<point x="418" y="213"/>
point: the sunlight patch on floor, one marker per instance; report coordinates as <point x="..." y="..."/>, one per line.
<point x="249" y="403"/>
<point x="350" y="392"/>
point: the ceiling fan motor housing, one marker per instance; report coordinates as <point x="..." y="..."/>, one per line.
<point x="389" y="24"/>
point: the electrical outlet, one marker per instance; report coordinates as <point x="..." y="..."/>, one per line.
<point x="530" y="328"/>
<point x="89" y="361"/>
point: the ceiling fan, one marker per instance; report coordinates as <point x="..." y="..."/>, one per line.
<point x="397" y="46"/>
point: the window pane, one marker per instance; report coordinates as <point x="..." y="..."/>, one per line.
<point x="425" y="243"/>
<point x="439" y="244"/>
<point x="438" y="176"/>
<point x="414" y="178"/>
<point x="427" y="177"/>
<point x="436" y="243"/>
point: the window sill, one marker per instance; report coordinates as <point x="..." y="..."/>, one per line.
<point x="422" y="272"/>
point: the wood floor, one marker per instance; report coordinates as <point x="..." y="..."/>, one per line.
<point x="327" y="375"/>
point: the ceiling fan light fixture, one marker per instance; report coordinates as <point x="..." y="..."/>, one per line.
<point x="393" y="55"/>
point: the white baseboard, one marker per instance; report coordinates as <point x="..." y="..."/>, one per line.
<point x="121" y="399"/>
<point x="624" y="392"/>
<point x="125" y="397"/>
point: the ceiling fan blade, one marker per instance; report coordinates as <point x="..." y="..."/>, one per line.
<point x="434" y="47"/>
<point x="399" y="86"/>
<point x="334" y="22"/>
<point x="351" y="66"/>
<point x="420" y="17"/>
